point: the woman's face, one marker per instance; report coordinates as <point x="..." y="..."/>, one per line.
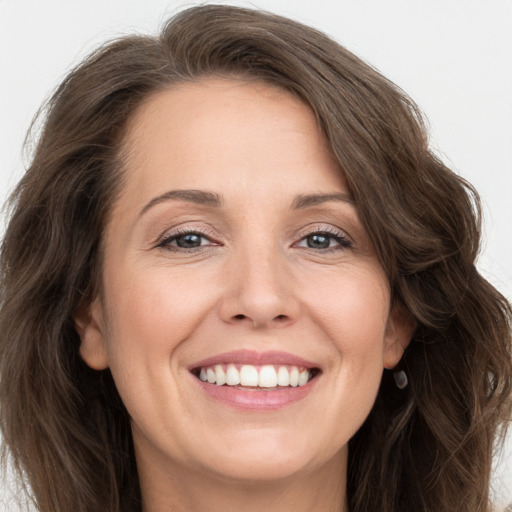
<point x="235" y="252"/>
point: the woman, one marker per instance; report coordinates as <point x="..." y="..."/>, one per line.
<point x="235" y="277"/>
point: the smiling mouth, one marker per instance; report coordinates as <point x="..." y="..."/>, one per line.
<point x="257" y="378"/>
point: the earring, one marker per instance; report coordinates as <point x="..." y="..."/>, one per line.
<point x="401" y="380"/>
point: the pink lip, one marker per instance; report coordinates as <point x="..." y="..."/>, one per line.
<point x="253" y="399"/>
<point x="255" y="358"/>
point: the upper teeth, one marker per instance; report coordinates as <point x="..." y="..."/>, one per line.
<point x="267" y="376"/>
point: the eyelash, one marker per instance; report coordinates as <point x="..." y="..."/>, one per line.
<point x="342" y="240"/>
<point x="167" y="239"/>
<point x="338" y="236"/>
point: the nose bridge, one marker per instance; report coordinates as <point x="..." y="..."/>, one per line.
<point x="260" y="290"/>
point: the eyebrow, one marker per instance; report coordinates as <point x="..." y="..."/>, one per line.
<point x="214" y="200"/>
<point x="303" y="201"/>
<point x="191" y="196"/>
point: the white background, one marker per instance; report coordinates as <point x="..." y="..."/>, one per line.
<point x="453" y="57"/>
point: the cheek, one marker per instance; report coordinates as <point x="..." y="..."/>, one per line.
<point x="353" y="308"/>
<point x="152" y="315"/>
<point x="352" y="311"/>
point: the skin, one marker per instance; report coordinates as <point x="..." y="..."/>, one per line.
<point x="253" y="283"/>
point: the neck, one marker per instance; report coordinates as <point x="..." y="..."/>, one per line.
<point x="178" y="489"/>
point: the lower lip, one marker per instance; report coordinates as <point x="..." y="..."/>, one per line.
<point x="257" y="400"/>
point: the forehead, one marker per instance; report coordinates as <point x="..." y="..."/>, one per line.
<point x="223" y="133"/>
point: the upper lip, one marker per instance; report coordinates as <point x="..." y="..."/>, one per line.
<point x="255" y="358"/>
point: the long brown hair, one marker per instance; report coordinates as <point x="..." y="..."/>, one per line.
<point x="427" y="448"/>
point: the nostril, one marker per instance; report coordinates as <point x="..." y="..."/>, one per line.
<point x="239" y="317"/>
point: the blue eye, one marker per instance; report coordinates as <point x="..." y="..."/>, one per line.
<point x="323" y="240"/>
<point x="184" y="240"/>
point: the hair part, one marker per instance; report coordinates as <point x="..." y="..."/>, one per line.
<point x="428" y="448"/>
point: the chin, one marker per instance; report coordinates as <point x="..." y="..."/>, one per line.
<point x="266" y="468"/>
<point x="269" y="456"/>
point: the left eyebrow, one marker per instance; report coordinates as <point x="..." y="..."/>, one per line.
<point x="307" y="200"/>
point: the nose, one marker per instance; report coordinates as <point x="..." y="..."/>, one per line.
<point x="260" y="291"/>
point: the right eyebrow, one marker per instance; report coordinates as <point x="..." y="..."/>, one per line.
<point x="192" y="196"/>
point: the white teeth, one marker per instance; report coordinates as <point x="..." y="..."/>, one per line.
<point x="248" y="375"/>
<point x="232" y="375"/>
<point x="220" y="376"/>
<point x="266" y="377"/>
<point x="294" y="377"/>
<point x="210" y="376"/>
<point x="303" y="377"/>
<point x="283" y="376"/>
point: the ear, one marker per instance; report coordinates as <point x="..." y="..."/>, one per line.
<point x="399" y="331"/>
<point x="90" y="327"/>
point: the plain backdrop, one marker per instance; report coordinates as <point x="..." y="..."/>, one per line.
<point x="453" y="57"/>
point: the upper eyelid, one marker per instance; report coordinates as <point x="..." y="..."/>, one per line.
<point x="317" y="227"/>
<point x="324" y="228"/>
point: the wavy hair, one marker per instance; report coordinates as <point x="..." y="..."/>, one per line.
<point x="427" y="448"/>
